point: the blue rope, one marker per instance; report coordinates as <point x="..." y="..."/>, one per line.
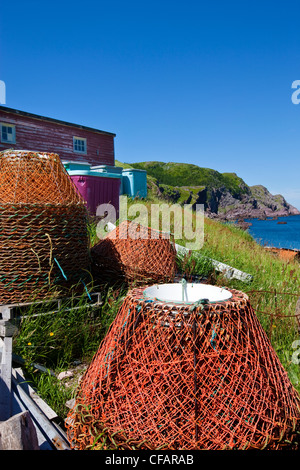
<point x="86" y="289"/>
<point x="212" y="340"/>
<point x="60" y="269"/>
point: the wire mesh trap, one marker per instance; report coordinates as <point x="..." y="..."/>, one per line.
<point x="134" y="253"/>
<point x="174" y="372"/>
<point x="43" y="226"/>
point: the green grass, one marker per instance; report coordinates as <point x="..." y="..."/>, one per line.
<point x="57" y="341"/>
<point x="273" y="292"/>
<point x="73" y="332"/>
<point x="195" y="264"/>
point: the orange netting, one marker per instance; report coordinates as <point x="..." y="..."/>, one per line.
<point x="134" y="253"/>
<point x="178" y="376"/>
<point x="43" y="227"/>
<point x="35" y="178"/>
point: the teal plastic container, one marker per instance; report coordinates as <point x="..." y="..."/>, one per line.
<point x="75" y="166"/>
<point x="134" y="182"/>
<point x="107" y="169"/>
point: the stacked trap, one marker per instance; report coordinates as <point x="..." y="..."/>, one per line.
<point x="185" y="367"/>
<point x="43" y="227"/>
<point x="134" y="253"/>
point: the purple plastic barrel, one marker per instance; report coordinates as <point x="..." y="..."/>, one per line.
<point x="98" y="190"/>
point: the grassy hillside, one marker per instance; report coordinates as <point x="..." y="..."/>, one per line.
<point x="224" y="195"/>
<point x="273" y="292"/>
<point x="186" y="174"/>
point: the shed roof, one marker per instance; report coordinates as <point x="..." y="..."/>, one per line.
<point x="57" y="121"/>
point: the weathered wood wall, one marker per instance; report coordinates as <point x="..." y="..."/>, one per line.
<point x="39" y="133"/>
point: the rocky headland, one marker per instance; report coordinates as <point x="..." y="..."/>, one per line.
<point x="258" y="203"/>
<point x="225" y="195"/>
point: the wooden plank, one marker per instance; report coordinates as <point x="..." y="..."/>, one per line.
<point x="52" y="433"/>
<point x="231" y="272"/>
<point x="44" y="407"/>
<point x="5" y="380"/>
<point x="18" y="433"/>
<point x="7" y="328"/>
<point x="228" y="271"/>
<point x="6" y="332"/>
<point x="7" y="311"/>
<point x="181" y="249"/>
<point x="19" y="360"/>
<point x="17" y="407"/>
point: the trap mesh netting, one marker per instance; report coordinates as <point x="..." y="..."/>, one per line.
<point x="185" y="376"/>
<point x="43" y="227"/>
<point x="134" y="253"/>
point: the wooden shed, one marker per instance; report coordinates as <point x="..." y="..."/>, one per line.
<point x="72" y="142"/>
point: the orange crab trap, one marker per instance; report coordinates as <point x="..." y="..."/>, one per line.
<point x="134" y="254"/>
<point x="44" y="244"/>
<point x="185" y="366"/>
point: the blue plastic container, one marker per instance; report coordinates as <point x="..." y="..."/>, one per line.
<point x="134" y="182"/>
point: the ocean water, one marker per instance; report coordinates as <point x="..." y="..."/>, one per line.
<point x="269" y="233"/>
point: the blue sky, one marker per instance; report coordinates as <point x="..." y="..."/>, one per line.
<point x="207" y="83"/>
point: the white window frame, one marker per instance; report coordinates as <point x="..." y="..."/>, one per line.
<point x="11" y="126"/>
<point x="84" y="144"/>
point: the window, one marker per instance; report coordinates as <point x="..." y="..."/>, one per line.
<point x="8" y="133"/>
<point x="79" y="144"/>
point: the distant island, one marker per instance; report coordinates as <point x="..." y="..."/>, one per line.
<point x="225" y="195"/>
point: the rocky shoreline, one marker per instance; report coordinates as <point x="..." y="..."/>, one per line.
<point x="258" y="204"/>
<point x="241" y="215"/>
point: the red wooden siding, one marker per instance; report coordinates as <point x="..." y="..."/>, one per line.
<point x="49" y="135"/>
